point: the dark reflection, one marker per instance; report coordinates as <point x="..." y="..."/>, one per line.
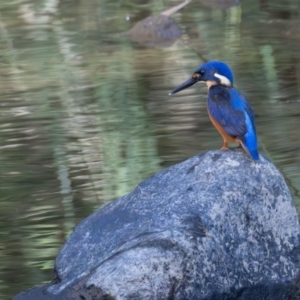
<point x="220" y="4"/>
<point x="157" y="31"/>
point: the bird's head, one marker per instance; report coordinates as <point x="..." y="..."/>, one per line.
<point x="212" y="73"/>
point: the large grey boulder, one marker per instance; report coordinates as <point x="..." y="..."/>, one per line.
<point x="216" y="226"/>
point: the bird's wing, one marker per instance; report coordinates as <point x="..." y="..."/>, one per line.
<point x="228" y="108"/>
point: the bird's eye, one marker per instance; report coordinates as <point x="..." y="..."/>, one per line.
<point x="202" y="72"/>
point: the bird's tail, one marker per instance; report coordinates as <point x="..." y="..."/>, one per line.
<point x="250" y="145"/>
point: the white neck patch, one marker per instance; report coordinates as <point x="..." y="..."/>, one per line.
<point x="223" y="79"/>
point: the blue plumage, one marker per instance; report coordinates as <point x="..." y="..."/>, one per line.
<point x="221" y="68"/>
<point x="228" y="109"/>
<point x="234" y="114"/>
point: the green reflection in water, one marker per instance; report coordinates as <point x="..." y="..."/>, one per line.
<point x="270" y="71"/>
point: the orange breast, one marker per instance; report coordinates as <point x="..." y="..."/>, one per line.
<point x="225" y="136"/>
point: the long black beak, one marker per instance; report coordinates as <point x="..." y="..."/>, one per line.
<point x="184" y="85"/>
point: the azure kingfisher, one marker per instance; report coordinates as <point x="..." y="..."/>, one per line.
<point x="228" y="109"/>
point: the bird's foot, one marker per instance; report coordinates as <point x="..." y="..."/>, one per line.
<point x="224" y="147"/>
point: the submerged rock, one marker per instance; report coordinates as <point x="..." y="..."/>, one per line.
<point x="216" y="226"/>
<point x="155" y="31"/>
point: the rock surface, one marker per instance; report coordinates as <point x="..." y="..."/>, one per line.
<point x="155" y="31"/>
<point x="217" y="226"/>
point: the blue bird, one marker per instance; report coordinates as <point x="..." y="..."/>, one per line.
<point x="228" y="109"/>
